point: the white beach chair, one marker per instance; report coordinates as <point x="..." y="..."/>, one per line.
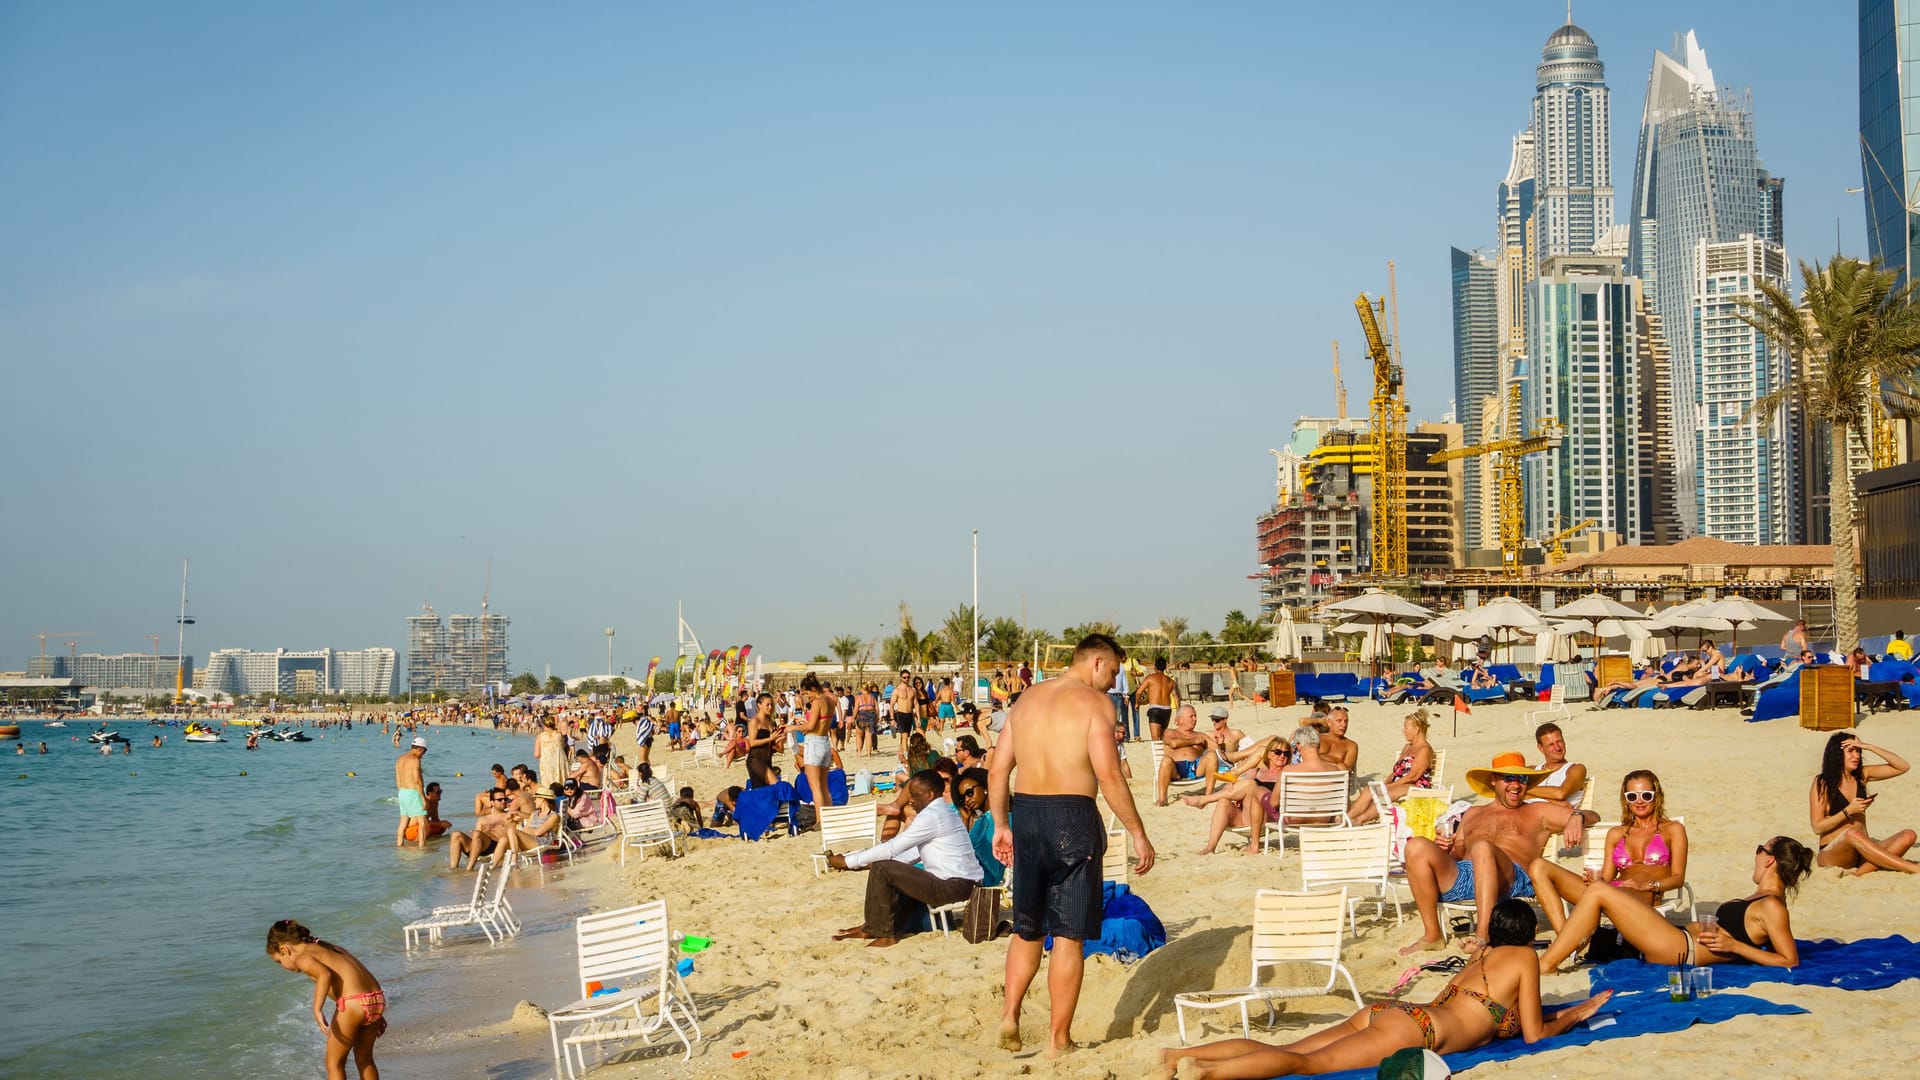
<point x="1307" y="795"/>
<point x="1288" y="928"/>
<point x="1357" y="858"/>
<point x="1439" y="770"/>
<point x="843" y="829"/>
<point x="645" y="825"/>
<point x="707" y="752"/>
<point x="629" y="952"/>
<point x="1116" y="865"/>
<point x="1680" y="900"/>
<point x="1556" y="704"/>
<point x="488" y="910"/>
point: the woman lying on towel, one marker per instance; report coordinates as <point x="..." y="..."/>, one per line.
<point x="1496" y="996"/>
<point x="1755" y="930"/>
<point x="1644" y="858"/>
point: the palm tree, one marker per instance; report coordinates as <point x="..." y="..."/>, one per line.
<point x="958" y="630"/>
<point x="844" y="648"/>
<point x="1005" y="641"/>
<point x="1853" y="337"/>
<point x="1170" y="630"/>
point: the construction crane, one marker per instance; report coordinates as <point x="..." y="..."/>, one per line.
<point x="1339" y="388"/>
<point x="1511" y="447"/>
<point x="1555" y="545"/>
<point x="1389" y="418"/>
<point x="1886" y="451"/>
<point x="60" y="636"/>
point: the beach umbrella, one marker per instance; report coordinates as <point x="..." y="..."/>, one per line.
<point x="1596" y="607"/>
<point x="1736" y="610"/>
<point x="1286" y="637"/>
<point x="1501" y="618"/>
<point x="1380" y="607"/>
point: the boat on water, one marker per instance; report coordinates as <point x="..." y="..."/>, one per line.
<point x="202" y="733"/>
<point x="9" y="731"/>
<point x="54" y="723"/>
<point x="106" y="735"/>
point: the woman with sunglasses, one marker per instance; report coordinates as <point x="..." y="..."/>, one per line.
<point x="1245" y="802"/>
<point x="970" y="798"/>
<point x="1495" y="996"/>
<point x="1754" y="930"/>
<point x="1644" y="857"/>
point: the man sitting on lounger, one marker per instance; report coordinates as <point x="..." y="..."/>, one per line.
<point x="1485" y="859"/>
<point x="1189" y="754"/>
<point x="897" y="889"/>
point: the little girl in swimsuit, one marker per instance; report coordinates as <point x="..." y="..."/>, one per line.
<point x="359" y="1011"/>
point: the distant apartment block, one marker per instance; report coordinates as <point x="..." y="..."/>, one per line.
<point x="457" y="654"/>
<point x="297" y="674"/>
<point x="1746" y="488"/>
<point x="126" y="671"/>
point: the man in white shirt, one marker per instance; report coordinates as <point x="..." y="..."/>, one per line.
<point x="897" y="889"/>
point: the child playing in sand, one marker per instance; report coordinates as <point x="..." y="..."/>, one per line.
<point x="359" y="1003"/>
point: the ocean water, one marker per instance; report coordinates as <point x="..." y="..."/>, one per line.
<point x="138" y="890"/>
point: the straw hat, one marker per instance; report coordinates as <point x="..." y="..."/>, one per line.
<point x="1510" y="764"/>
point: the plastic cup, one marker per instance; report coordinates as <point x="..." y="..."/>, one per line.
<point x="1700" y="981"/>
<point x="1676" y="985"/>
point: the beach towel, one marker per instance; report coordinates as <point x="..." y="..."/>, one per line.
<point x="1867" y="964"/>
<point x="836" y="788"/>
<point x="756" y="809"/>
<point x="1129" y="930"/>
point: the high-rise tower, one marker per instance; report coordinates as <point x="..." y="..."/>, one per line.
<point x="1477" y="364"/>
<point x="1572" y="144"/>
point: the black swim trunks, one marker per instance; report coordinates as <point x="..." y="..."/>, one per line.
<point x="1058" y="844"/>
<point x="1159" y="714"/>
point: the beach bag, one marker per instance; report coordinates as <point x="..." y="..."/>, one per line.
<point x="982" y="918"/>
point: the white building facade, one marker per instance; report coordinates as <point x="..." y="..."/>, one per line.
<point x="1746" y="485"/>
<point x="314" y="672"/>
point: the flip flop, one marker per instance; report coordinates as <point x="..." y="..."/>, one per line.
<point x="1406" y="979"/>
<point x="1449" y="965"/>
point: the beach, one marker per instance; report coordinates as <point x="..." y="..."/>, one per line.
<point x="775" y="990"/>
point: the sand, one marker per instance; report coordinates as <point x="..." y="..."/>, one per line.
<point x="777" y="991"/>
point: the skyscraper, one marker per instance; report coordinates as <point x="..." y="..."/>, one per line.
<point x="1572" y="144"/>
<point x="1583" y="374"/>
<point x="1890" y="176"/>
<point x="1697" y="177"/>
<point x="1476" y="358"/>
<point x="1746" y="487"/>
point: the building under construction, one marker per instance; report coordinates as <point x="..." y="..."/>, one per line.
<point x="457" y="655"/>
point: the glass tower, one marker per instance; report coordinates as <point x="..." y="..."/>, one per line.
<point x="1890" y="128"/>
<point x="1746" y="485"/>
<point x="1572" y="140"/>
<point x="1476" y="359"/>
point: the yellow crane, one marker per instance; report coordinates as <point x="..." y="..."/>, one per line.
<point x="1886" y="451"/>
<point x="1511" y="448"/>
<point x="1555" y="545"/>
<point x="1389" y="420"/>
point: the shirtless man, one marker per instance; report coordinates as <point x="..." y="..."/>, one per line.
<point x="816" y="750"/>
<point x="905" y="703"/>
<point x="1156" y="698"/>
<point x="412" y="793"/>
<point x="1187" y="753"/>
<point x="1335" y="747"/>
<point x="1485" y="861"/>
<point x="1060" y="738"/>
<point x="587" y="770"/>
<point x="1226" y="741"/>
<point x="1565" y="781"/>
<point x="944" y="706"/>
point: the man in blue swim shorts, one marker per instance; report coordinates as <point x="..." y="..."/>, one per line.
<point x="412" y="792"/>
<point x="1190" y="754"/>
<point x="1484" y="860"/>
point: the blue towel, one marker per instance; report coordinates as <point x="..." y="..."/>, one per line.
<point x="711" y="834"/>
<point x="755" y="811"/>
<point x="836" y="788"/>
<point x="1868" y="964"/>
<point x="1129" y="930"/>
<point x="1778" y="701"/>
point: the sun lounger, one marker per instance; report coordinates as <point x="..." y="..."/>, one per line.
<point x="1289" y="928"/>
<point x="626" y="968"/>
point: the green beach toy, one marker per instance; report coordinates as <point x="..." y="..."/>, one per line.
<point x="695" y="944"/>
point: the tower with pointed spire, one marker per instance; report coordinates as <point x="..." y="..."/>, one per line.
<point x="1572" y="145"/>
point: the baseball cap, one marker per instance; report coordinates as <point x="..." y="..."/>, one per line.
<point x="1219" y="712"/>
<point x="419" y="743"/>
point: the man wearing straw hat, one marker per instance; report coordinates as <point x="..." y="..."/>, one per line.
<point x="1484" y="860"/>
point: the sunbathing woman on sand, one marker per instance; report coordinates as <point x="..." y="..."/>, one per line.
<point x="359" y="1003"/>
<point x="1755" y="930"/>
<point x="1496" y="996"/>
<point x="1838" y="806"/>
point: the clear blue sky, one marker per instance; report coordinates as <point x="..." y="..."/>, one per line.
<point x="760" y="307"/>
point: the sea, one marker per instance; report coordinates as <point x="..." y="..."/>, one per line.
<point x="138" y="890"/>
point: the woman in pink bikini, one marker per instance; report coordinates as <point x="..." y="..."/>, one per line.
<point x="1645" y="856"/>
<point x="359" y="1007"/>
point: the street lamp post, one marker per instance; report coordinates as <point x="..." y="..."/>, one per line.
<point x="609" y="652"/>
<point x="973" y="690"/>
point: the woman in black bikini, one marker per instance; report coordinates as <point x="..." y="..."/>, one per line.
<point x="1755" y="930"/>
<point x="1496" y="996"/>
<point x="1837" y="807"/>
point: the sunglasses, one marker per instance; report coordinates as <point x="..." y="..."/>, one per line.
<point x="1761" y="849"/>
<point x="1637" y="796"/>
<point x="1509" y="778"/>
<point x="969" y="792"/>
